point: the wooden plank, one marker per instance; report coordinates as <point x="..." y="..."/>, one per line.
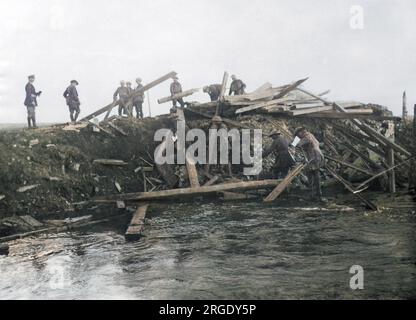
<point x="286" y="181"/>
<point x="102" y="129"/>
<point x="308" y="111"/>
<point x="176" y="193"/>
<point x="392" y="174"/>
<point x="383" y="172"/>
<point x="134" y="94"/>
<point x="118" y="129"/>
<point x="177" y="96"/>
<point x="110" y="162"/>
<point x="349" y="165"/>
<point x="190" y="162"/>
<point x="32" y="222"/>
<point x="281" y="94"/>
<point x="368" y="203"/>
<point x="370" y="131"/>
<point x="351" y="115"/>
<point x="136" y="226"/>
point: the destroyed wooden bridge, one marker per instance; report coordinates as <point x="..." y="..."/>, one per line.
<point x="353" y="143"/>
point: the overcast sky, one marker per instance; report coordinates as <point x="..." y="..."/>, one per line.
<point x="100" y="43"/>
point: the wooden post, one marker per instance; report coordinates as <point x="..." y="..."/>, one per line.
<point x="190" y="163"/>
<point x="222" y="93"/>
<point x="404" y="111"/>
<point x="392" y="174"/>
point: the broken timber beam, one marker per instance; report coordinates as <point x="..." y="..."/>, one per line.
<point x="136" y="227"/>
<point x="190" y="162"/>
<point x="286" y="181"/>
<point x="119" y="130"/>
<point x="177" y="96"/>
<point x="368" y="203"/>
<point x="364" y="127"/>
<point x="175" y="193"/>
<point x="349" y="165"/>
<point x="134" y="94"/>
<point x="110" y="162"/>
<point x="383" y="172"/>
<point x="222" y="93"/>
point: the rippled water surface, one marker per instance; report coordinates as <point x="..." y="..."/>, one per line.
<point x="212" y="251"/>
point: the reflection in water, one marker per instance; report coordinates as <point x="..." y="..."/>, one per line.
<point x="230" y="251"/>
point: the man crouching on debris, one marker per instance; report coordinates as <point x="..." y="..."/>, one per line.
<point x="315" y="157"/>
<point x="122" y="93"/>
<point x="283" y="159"/>
<point x="176" y="88"/>
<point x="72" y="100"/>
<point x="214" y="91"/>
<point x="237" y="86"/>
<point x="31" y="102"/>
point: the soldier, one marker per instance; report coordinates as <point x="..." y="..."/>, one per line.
<point x="176" y="88"/>
<point x="122" y="93"/>
<point x="315" y="157"/>
<point x="31" y="102"/>
<point x="218" y="124"/>
<point x="72" y="100"/>
<point x="129" y="105"/>
<point x="139" y="99"/>
<point x="283" y="158"/>
<point x="214" y="91"/>
<point x="237" y="86"/>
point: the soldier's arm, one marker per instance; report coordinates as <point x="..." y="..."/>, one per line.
<point x="115" y="95"/>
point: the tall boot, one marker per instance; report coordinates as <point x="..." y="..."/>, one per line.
<point x="34" y="122"/>
<point x="76" y="116"/>
<point x="29" y="123"/>
<point x="71" y="116"/>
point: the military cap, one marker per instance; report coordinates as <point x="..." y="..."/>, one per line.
<point x="74" y="81"/>
<point x="32" y="76"/>
<point x="139" y="80"/>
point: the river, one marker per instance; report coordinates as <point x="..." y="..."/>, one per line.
<point x="228" y="251"/>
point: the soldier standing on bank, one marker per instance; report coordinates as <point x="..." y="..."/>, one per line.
<point x="315" y="157"/>
<point x="176" y="88"/>
<point x="122" y="93"/>
<point x="214" y="91"/>
<point x="283" y="158"/>
<point x="139" y="99"/>
<point x="72" y="100"/>
<point x="31" y="102"/>
<point x="237" y="86"/>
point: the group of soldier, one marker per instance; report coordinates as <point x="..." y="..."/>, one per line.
<point x="280" y="146"/>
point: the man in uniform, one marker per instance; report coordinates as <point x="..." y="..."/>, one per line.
<point x="214" y="91"/>
<point x="218" y="124"/>
<point x="31" y="102"/>
<point x="315" y="157"/>
<point x="237" y="86"/>
<point x="122" y="93"/>
<point x="72" y="100"/>
<point x="138" y="100"/>
<point x="176" y="88"/>
<point x="283" y="158"/>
